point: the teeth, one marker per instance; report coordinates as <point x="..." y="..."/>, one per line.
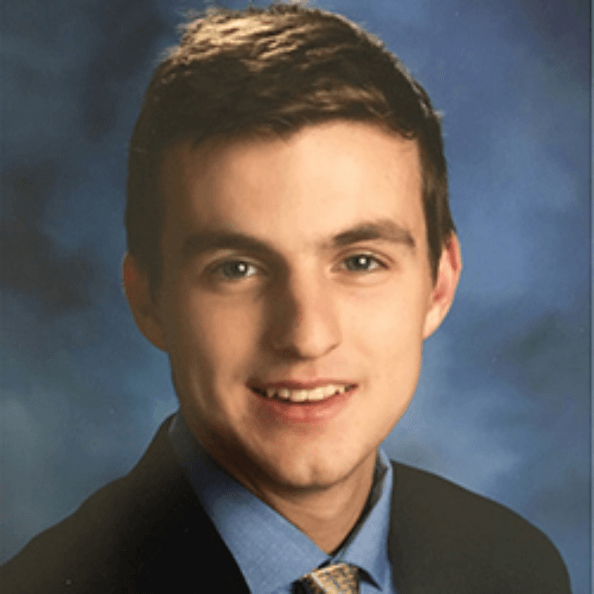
<point x="299" y="395"/>
<point x="316" y="394"/>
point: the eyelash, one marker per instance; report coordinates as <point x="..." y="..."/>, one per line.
<point x="377" y="263"/>
<point x="219" y="269"/>
<point x="228" y="270"/>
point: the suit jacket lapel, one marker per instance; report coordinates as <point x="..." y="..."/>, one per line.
<point x="180" y="547"/>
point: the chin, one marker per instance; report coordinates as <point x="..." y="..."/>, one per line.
<point x="313" y="472"/>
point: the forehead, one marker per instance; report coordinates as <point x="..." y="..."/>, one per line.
<point x="308" y="185"/>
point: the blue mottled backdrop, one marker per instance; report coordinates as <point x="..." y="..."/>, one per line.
<point x="503" y="406"/>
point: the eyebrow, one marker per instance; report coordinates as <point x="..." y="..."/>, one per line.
<point x="210" y="241"/>
<point x="383" y="230"/>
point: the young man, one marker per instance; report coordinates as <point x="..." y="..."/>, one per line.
<point x="290" y="247"/>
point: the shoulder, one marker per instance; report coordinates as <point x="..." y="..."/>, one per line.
<point x="146" y="532"/>
<point x="441" y="532"/>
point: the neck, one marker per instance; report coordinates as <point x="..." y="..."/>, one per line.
<point x="326" y="515"/>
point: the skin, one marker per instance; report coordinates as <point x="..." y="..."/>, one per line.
<point x="301" y="260"/>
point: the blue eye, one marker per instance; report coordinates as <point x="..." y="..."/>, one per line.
<point x="362" y="263"/>
<point x="235" y="270"/>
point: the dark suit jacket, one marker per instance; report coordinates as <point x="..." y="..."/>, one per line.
<point x="147" y="532"/>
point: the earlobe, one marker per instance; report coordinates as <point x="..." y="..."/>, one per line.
<point x="444" y="289"/>
<point x="142" y="302"/>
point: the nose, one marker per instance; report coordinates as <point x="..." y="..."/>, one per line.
<point x="303" y="318"/>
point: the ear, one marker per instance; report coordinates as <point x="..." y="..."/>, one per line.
<point x="444" y="288"/>
<point x="142" y="301"/>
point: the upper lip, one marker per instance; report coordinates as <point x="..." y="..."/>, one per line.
<point x="299" y="384"/>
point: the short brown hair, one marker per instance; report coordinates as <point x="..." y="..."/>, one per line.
<point x="272" y="71"/>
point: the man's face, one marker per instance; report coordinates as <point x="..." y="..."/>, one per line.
<point x="295" y="296"/>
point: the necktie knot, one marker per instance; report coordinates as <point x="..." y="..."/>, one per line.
<point x="340" y="578"/>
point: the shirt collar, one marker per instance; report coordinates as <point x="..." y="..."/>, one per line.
<point x="270" y="551"/>
<point x="367" y="545"/>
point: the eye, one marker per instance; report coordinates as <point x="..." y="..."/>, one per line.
<point x="362" y="263"/>
<point x="233" y="270"/>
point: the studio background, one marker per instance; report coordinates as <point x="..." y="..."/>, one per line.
<point x="503" y="405"/>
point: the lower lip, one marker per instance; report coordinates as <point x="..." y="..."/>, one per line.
<point x="304" y="412"/>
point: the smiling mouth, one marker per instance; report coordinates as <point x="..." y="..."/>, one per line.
<point x="301" y="395"/>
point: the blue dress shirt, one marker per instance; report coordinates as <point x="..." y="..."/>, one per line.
<point x="271" y="552"/>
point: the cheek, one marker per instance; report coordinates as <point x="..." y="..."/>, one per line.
<point x="210" y="343"/>
<point x="390" y="342"/>
<point x="388" y="325"/>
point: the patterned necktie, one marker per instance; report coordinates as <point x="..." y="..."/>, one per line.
<point x="341" y="578"/>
